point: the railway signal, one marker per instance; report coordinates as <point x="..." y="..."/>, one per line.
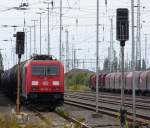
<point x="20" y="43"/>
<point x="20" y="39"/>
<point x="122" y="35"/>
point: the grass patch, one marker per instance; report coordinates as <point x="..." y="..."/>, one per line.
<point x="77" y="88"/>
<point x="62" y="112"/>
<point x="77" y="80"/>
<point x="80" y="120"/>
<point x="9" y="121"/>
<point x="75" y="125"/>
<point x="137" y="125"/>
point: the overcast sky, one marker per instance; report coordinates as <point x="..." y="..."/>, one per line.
<point x="79" y="17"/>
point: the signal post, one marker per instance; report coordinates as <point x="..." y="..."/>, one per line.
<point x="122" y="35"/>
<point x="20" y="38"/>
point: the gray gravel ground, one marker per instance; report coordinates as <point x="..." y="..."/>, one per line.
<point x="7" y="107"/>
<point x="57" y="121"/>
<point x="91" y="119"/>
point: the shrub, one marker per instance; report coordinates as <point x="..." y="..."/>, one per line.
<point x="77" y="80"/>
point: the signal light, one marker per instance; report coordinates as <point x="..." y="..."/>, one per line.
<point x="20" y="39"/>
<point x="122" y="24"/>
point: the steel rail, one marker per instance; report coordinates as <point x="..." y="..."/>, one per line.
<point x="108" y="95"/>
<point x="106" y="110"/>
<point x="112" y="101"/>
<point x="68" y="118"/>
<point x="38" y="113"/>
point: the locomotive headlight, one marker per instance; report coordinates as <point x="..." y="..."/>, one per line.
<point x="34" y="83"/>
<point x="55" y="83"/>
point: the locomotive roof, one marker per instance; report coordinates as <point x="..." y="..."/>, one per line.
<point x="43" y="57"/>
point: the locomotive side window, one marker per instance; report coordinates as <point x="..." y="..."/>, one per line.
<point x="52" y="70"/>
<point x="38" y="70"/>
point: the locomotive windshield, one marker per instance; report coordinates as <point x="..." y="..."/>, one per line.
<point x="45" y="70"/>
<point x="38" y="70"/>
<point x="52" y="70"/>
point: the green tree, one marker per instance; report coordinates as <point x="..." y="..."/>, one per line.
<point x="106" y="64"/>
<point x="143" y="65"/>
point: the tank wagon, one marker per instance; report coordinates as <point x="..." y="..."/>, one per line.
<point x="42" y="81"/>
<point x="111" y="82"/>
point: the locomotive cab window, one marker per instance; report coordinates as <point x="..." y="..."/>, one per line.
<point x="52" y="70"/>
<point x="38" y="70"/>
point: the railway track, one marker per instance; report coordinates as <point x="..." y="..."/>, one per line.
<point x="36" y="110"/>
<point x="38" y="113"/>
<point x="110" y="105"/>
<point x="140" y="104"/>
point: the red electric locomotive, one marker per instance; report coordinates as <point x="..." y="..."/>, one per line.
<point x="42" y="81"/>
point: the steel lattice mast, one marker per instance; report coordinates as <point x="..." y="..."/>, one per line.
<point x="138" y="38"/>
